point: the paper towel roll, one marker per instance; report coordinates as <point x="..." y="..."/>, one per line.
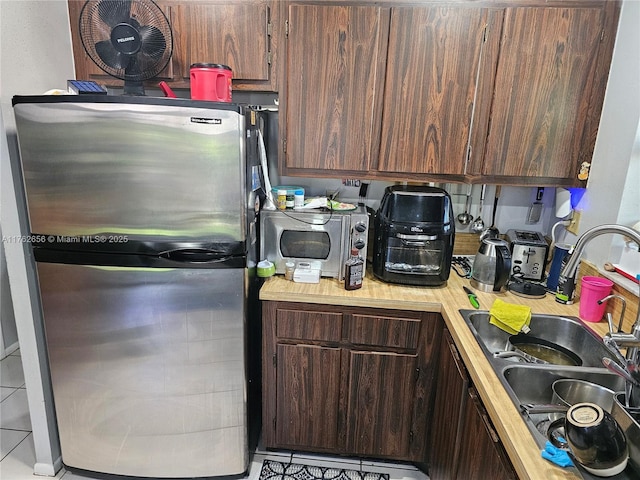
<point x="563" y="202"/>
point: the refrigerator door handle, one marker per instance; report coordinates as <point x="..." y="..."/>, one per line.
<point x="194" y="255"/>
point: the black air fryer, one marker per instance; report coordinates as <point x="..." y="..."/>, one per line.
<point x="414" y="230"/>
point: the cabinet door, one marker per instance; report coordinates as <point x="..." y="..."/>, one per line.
<point x="481" y="453"/>
<point x="380" y="403"/>
<point x="232" y="33"/>
<point x="541" y="105"/>
<point x="446" y="427"/>
<point x="430" y="87"/>
<point x="307" y="396"/>
<point x="333" y="80"/>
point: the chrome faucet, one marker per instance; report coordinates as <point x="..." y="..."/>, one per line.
<point x="566" y="283"/>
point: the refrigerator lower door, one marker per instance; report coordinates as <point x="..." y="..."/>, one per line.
<point x="148" y="368"/>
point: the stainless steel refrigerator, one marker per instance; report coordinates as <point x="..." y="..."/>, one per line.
<point x="143" y="224"/>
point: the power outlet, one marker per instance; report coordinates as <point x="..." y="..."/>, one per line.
<point x="575" y="223"/>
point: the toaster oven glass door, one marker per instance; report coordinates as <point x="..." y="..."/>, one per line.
<point x="298" y="244"/>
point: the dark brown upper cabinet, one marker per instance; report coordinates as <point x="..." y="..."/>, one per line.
<point x="432" y="64"/>
<point x="237" y="34"/>
<point x="542" y="108"/>
<point x="334" y="77"/>
<point x="479" y="91"/>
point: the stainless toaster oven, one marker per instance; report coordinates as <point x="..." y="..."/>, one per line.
<point x="323" y="238"/>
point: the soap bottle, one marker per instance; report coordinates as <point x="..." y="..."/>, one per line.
<point x="353" y="271"/>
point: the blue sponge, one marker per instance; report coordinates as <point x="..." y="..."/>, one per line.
<point x="556" y="455"/>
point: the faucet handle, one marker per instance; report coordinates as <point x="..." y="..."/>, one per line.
<point x="612" y="346"/>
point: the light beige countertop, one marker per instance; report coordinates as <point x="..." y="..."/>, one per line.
<point x="517" y="440"/>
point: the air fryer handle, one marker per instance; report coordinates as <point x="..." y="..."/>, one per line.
<point x="503" y="267"/>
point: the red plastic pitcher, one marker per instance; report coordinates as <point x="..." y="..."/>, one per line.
<point x="211" y="81"/>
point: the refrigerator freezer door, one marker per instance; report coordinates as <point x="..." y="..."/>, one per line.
<point x="148" y="368"/>
<point x="160" y="172"/>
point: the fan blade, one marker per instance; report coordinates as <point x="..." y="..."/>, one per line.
<point x="109" y="55"/>
<point x="113" y="12"/>
<point x="153" y="42"/>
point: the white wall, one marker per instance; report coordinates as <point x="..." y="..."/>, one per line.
<point x="35" y="56"/>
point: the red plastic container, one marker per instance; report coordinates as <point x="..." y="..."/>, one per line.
<point x="210" y="81"/>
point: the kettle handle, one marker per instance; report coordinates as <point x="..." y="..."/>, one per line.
<point x="503" y="267"/>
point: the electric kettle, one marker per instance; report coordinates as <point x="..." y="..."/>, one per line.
<point x="491" y="266"/>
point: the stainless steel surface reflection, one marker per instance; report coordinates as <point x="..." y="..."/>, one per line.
<point x="148" y="368"/>
<point x="146" y="171"/>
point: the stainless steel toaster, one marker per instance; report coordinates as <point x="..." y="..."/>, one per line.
<point x="528" y="254"/>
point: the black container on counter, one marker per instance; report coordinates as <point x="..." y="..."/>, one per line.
<point x="414" y="231"/>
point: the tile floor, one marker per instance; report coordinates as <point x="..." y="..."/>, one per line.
<point x="17" y="453"/>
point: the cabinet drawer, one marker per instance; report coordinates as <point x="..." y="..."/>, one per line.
<point x="303" y="325"/>
<point x="384" y="331"/>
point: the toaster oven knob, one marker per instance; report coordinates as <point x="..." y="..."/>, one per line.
<point x="359" y="244"/>
<point x="360" y="227"/>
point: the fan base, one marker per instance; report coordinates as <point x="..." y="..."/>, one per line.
<point x="133" y="88"/>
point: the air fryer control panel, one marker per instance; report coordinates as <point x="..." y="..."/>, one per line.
<point x="528" y="254"/>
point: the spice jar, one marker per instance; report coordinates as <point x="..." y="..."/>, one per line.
<point x="289" y="268"/>
<point x="282" y="199"/>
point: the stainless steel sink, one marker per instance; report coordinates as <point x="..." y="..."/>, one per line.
<point x="568" y="332"/>
<point x="531" y="383"/>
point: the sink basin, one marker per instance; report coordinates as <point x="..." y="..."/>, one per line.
<point x="532" y="382"/>
<point x="568" y="332"/>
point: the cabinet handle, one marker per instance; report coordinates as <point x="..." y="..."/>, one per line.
<point x="483" y="415"/>
<point x="458" y="361"/>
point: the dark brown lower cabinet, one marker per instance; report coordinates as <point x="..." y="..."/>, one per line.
<point x="451" y="397"/>
<point x="463" y="443"/>
<point x="310" y="379"/>
<point x="482" y="456"/>
<point x="347" y="380"/>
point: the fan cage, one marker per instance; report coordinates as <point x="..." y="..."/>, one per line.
<point x="93" y="29"/>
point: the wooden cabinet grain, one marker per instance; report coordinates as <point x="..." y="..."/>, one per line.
<point x="482" y="455"/>
<point x="463" y="444"/>
<point x="333" y="82"/>
<point x="237" y="34"/>
<point x="542" y="106"/>
<point x="348" y="381"/>
<point x="432" y="63"/>
<point x="484" y="91"/>
<point x="449" y="407"/>
<point x="379" y="91"/>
